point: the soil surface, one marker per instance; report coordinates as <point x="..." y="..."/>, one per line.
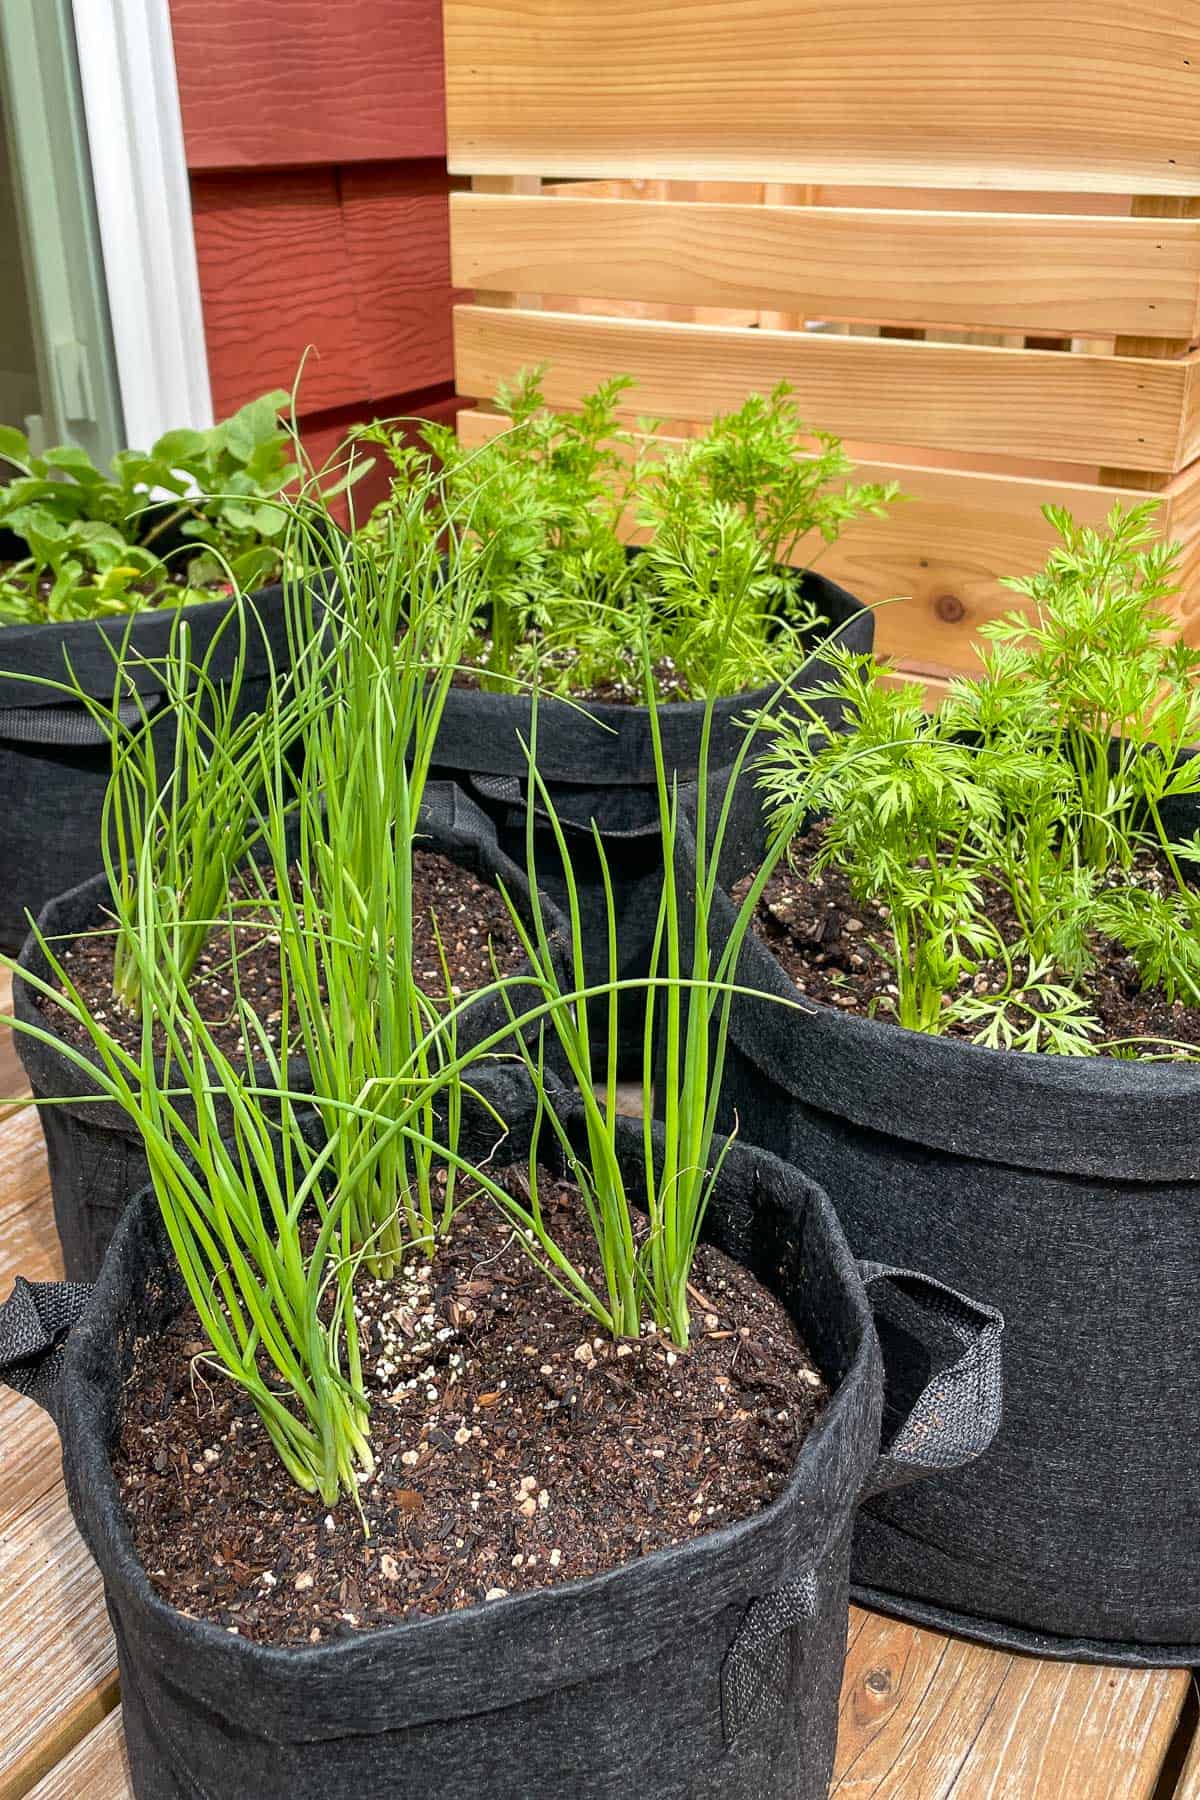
<point x="515" y="1446"/>
<point x="469" y="914"/>
<point x="829" y="944"/>
<point x="628" y="690"/>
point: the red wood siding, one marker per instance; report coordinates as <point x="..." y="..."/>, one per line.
<point x="325" y="435"/>
<point x="309" y="81"/>
<point x="315" y="142"/>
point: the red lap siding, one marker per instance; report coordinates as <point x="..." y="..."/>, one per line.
<point x="315" y="141"/>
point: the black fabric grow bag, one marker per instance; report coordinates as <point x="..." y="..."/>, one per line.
<point x="94" y="1152"/>
<point x="709" y="1670"/>
<point x="598" y="763"/>
<point x="55" y="760"/>
<point x="1068" y="1192"/>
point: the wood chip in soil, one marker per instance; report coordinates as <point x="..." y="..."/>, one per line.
<point x="470" y="915"/>
<point x="831" y="946"/>
<point x="516" y="1446"/>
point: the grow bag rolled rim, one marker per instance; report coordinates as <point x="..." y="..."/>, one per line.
<point x="561" y="721"/>
<point x="999" y="1635"/>
<point x="887" y="1079"/>
<point x="719" y="1559"/>
<point x="91" y="644"/>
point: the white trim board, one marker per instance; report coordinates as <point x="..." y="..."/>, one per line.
<point x="144" y="208"/>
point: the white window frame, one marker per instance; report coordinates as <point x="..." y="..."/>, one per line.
<point x="144" y="210"/>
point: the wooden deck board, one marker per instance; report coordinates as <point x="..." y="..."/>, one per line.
<point x="1189" y="1781"/>
<point x="95" y="1770"/>
<point x="59" y="1659"/>
<point x="923" y="1717"/>
<point x="12" y="1076"/>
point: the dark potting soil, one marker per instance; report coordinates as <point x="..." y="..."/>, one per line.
<point x="515" y="1446"/>
<point x="829" y="944"/>
<point x="469" y="915"/>
<point x="618" y="690"/>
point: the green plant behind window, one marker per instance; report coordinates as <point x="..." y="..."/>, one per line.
<point x="104" y="542"/>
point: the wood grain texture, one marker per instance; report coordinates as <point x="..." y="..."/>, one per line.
<point x="822" y="193"/>
<point x="28" y="1244"/>
<point x="288" y="83"/>
<point x="941" y="93"/>
<point x="12" y="1076"/>
<point x="1007" y="272"/>
<point x="397" y="236"/>
<point x="59" y="1657"/>
<point x="354" y="269"/>
<point x="932" y="567"/>
<point x="275" y="280"/>
<point x="1078" y="409"/>
<point x="1189" y="1781"/>
<point x="935" y="1717"/>
<point x="30" y="1463"/>
<point x="97" y="1768"/>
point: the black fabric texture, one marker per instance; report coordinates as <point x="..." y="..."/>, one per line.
<point x="1067" y="1193"/>
<point x="598" y="763"/>
<point x="94" y="1152"/>
<point x="710" y="1671"/>
<point x="35" y="1322"/>
<point x="54" y="759"/>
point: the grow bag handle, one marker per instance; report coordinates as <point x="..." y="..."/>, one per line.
<point x="35" y="1323"/>
<point x="511" y="791"/>
<point x="71" y="727"/>
<point x="942" y="1375"/>
<point x="756" y="1672"/>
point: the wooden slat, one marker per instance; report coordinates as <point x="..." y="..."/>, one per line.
<point x="1078" y="409"/>
<point x="932" y="567"/>
<point x="935" y="1717"/>
<point x="1003" y="272"/>
<point x="940" y="93"/>
<point x="97" y="1768"/>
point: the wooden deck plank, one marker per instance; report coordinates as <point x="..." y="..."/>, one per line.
<point x="1189" y="1781"/>
<point x="59" y="1673"/>
<point x="924" y="1717"/>
<point x="95" y="1770"/>
<point x="31" y="1463"/>
<point x="12" y="1076"/>
<point x="28" y="1243"/>
<point x="59" y="1659"/>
